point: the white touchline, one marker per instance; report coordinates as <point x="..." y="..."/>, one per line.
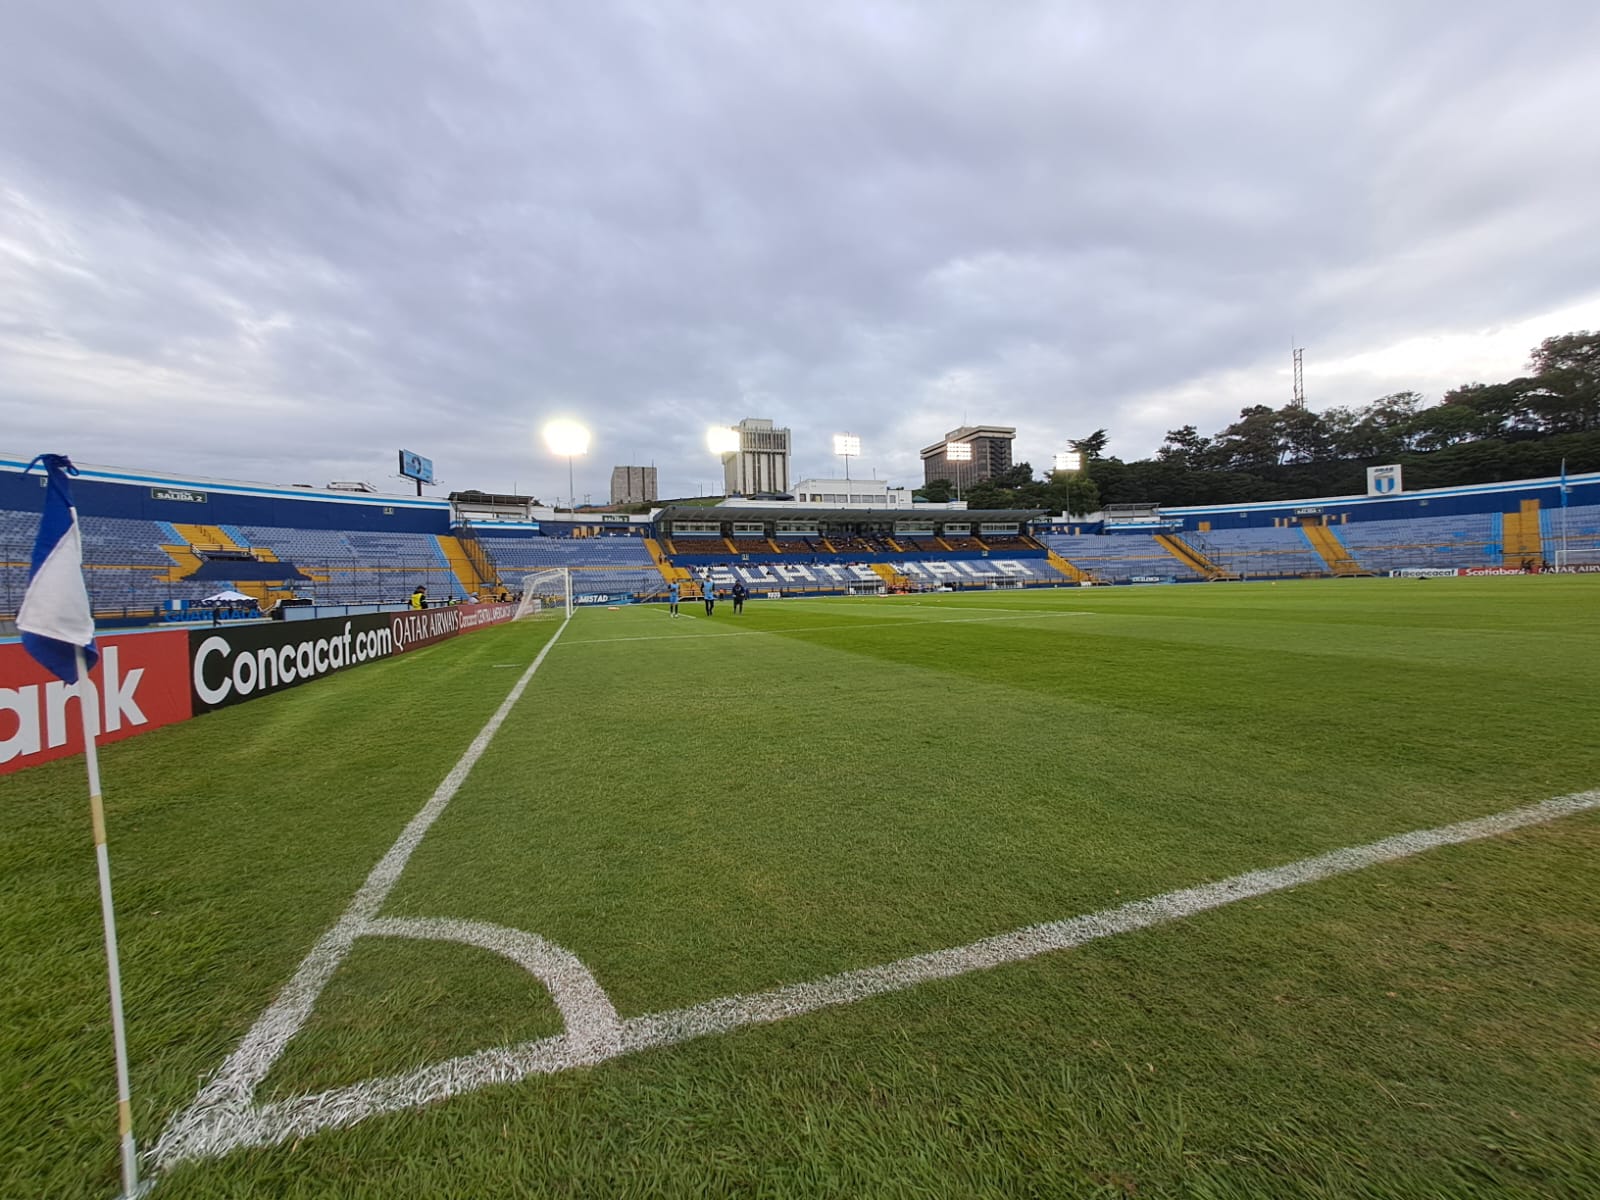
<point x="224" y="1117"/>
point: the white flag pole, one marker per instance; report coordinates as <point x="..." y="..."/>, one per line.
<point x="89" y="711"/>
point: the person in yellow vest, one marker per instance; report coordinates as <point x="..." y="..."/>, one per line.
<point x="419" y="598"/>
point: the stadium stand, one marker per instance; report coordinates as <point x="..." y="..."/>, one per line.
<point x="609" y="565"/>
<point x="1003" y="542"/>
<point x="698" y="545"/>
<point x="356" y="566"/>
<point x="1578" y="527"/>
<point x="1120" y="557"/>
<point x="143" y="536"/>
<point x="1255" y="553"/>
<point x="1465" y="540"/>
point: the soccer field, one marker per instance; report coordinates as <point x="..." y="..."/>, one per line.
<point x="788" y="904"/>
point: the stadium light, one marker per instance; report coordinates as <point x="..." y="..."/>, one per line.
<point x="722" y="439"/>
<point x="1069" y="460"/>
<point x="847" y="446"/>
<point x="958" y="452"/>
<point x="567" y="439"/>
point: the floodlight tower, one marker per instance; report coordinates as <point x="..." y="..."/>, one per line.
<point x="958" y="452"/>
<point x="723" y="440"/>
<point x="1069" y="460"/>
<point x="567" y="439"/>
<point x="846" y="446"/>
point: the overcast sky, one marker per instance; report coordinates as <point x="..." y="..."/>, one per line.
<point x="278" y="241"/>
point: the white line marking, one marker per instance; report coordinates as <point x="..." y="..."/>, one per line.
<point x="586" y="1010"/>
<point x="210" y="1130"/>
<point x="232" y="1089"/>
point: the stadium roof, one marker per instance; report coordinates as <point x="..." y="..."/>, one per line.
<point x="689" y="512"/>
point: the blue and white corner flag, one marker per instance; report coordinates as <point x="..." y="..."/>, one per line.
<point x="55" y="620"/>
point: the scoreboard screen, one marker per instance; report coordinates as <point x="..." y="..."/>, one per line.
<point x="414" y="466"/>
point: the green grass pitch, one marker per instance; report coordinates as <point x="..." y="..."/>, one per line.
<point x="711" y="807"/>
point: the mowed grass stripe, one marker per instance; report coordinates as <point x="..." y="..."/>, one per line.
<point x="769" y="819"/>
<point x="1413" y="1031"/>
<point x="1256" y="1051"/>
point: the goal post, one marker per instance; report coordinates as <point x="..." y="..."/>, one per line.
<point x="1578" y="556"/>
<point x="546" y="591"/>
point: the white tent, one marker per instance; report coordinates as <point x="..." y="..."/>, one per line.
<point x="228" y="597"/>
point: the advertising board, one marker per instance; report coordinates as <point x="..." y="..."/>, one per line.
<point x="140" y="683"/>
<point x="147" y="680"/>
<point x="414" y="466"/>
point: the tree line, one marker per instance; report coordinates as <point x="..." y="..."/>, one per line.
<point x="1477" y="433"/>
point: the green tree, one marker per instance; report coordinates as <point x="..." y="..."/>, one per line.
<point x="1565" y="397"/>
<point x="937" y="491"/>
<point x="1446" y="425"/>
<point x="985" y="495"/>
<point x="1019" y="476"/>
<point x="1302" y="436"/>
<point x="1186" y="448"/>
<point x="1092" y="447"/>
<point x="1251" y="442"/>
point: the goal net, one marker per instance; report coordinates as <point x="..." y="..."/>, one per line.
<point x="546" y="591"/>
<point x="1578" y="556"/>
<point x="1005" y="583"/>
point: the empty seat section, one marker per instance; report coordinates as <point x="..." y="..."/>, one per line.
<point x="1470" y="540"/>
<point x="604" y="564"/>
<point x="358" y="567"/>
<point x="1578" y="530"/>
<point x="1118" y="556"/>
<point x="1258" y="552"/>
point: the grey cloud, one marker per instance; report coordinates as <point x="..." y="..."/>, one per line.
<point x="279" y="240"/>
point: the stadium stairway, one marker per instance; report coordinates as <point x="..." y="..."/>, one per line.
<point x="1071" y="570"/>
<point x="1191" y="558"/>
<point x="669" y="571"/>
<point x="889" y="575"/>
<point x="475" y="573"/>
<point x="1333" y="552"/>
<point x="1520" y="535"/>
<point x="215" y="537"/>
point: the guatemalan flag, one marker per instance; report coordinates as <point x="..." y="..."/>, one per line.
<point x="55" y="620"/>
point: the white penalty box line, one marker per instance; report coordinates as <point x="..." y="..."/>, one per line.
<point x="225" y="1116"/>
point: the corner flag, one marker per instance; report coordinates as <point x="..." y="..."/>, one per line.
<point x="57" y="628"/>
<point x="55" y="620"/>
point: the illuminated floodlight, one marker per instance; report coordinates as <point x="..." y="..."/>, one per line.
<point x="846" y="445"/>
<point x="958" y="451"/>
<point x="721" y="439"/>
<point x="566" y="438"/>
<point x="1069" y="460"/>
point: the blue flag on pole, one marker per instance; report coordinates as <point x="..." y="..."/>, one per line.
<point x="55" y="620"/>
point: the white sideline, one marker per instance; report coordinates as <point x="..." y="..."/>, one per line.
<point x="225" y="1119"/>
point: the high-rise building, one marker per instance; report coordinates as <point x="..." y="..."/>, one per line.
<point x="633" y="485"/>
<point x="991" y="455"/>
<point x="761" y="463"/>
